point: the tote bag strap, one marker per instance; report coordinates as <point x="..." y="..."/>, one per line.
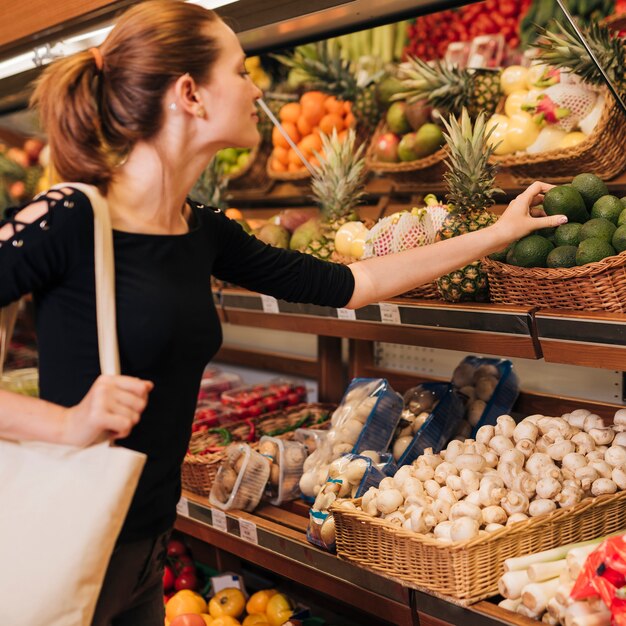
<point x="105" y="278"/>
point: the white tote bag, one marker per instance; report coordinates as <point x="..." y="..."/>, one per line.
<point x="61" y="507"/>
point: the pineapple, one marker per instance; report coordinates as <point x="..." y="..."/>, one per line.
<point x="450" y="89"/>
<point x="338" y="188"/>
<point x="326" y="71"/>
<point x="210" y="188"/>
<point x="470" y="182"/>
<point x="564" y="50"/>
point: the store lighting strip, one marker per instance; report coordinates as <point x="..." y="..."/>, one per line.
<point x="42" y="55"/>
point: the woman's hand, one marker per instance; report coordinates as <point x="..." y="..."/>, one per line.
<point x="520" y="217"/>
<point x="110" y="409"/>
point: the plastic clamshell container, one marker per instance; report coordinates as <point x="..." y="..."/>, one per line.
<point x="266" y="397"/>
<point x="440" y="426"/>
<point x="383" y="418"/>
<point x="290" y="459"/>
<point x="211" y="388"/>
<point x="375" y="472"/>
<point x="250" y="483"/>
<point x="311" y="438"/>
<point x="504" y="395"/>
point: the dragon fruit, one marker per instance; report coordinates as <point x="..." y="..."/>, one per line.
<point x="562" y="105"/>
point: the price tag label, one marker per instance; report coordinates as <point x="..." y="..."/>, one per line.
<point x="389" y="313"/>
<point x="182" y="508"/>
<point x="219" y="520"/>
<point x="270" y="304"/>
<point x="346" y="314"/>
<point x="247" y="530"/>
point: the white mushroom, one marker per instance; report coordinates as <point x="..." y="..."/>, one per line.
<point x="525" y="483"/>
<point x="396" y="518"/>
<point x="445" y="493"/>
<point x="473" y="498"/>
<point x="577" y="418"/>
<point x="548" y="488"/>
<point x="424" y="473"/>
<point x="526" y="447"/>
<point x="401" y="475"/>
<point x="442" y="530"/>
<point x="464" y="509"/>
<point x="411" y="486"/>
<point x="422" y="520"/>
<point x="561" y="448"/>
<point x="441" y="510"/>
<point x="573" y="461"/>
<point x="514" y="502"/>
<point x="470" y="446"/>
<point x="371" y="508"/>
<point x="516" y="517"/>
<point x="602" y="436"/>
<point x="505" y="425"/>
<point x="514" y="457"/>
<point x="470" y="481"/>
<point x="494" y="515"/>
<point x="500" y="443"/>
<point x="586" y="476"/>
<point x="508" y="472"/>
<point x="370" y="494"/>
<point x="618" y="475"/>
<point x="490" y="458"/>
<point x="429" y="458"/>
<point x="620" y="439"/>
<point x="569" y="496"/>
<point x="444" y="470"/>
<point x="584" y="443"/>
<point x="525" y="430"/>
<point x="473" y="462"/>
<point x="603" y="468"/>
<point x="432" y="488"/>
<point x="592" y="421"/>
<point x="615" y="456"/>
<point x="485" y="434"/>
<point x="453" y="450"/>
<point x="533" y="419"/>
<point x="491" y="490"/>
<point x="464" y="529"/>
<point x="389" y="501"/>
<point x="595" y="455"/>
<point x="492" y="528"/>
<point x="538" y="464"/>
<point x="619" y="419"/>
<point x="603" y="486"/>
<point x="456" y="484"/>
<point x="387" y="483"/>
<point x="542" y="506"/>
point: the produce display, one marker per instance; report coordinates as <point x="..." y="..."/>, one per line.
<point x="511" y="472"/>
<point x="596" y="228"/>
<point x="22" y="172"/>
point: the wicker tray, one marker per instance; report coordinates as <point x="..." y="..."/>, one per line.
<point x="469" y="571"/>
<point x="597" y="286"/>
<point x="199" y="470"/>
<point x="428" y="291"/>
<point x="601" y="153"/>
<point x="427" y="170"/>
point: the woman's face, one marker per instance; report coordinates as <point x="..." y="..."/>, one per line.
<point x="230" y="95"/>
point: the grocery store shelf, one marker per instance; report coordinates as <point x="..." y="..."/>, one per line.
<point x="580" y="338"/>
<point x="470" y="327"/>
<point x="275" y="538"/>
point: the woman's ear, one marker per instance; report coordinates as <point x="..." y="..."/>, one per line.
<point x="187" y="97"/>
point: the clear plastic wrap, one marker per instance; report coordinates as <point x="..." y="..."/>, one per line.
<point x="286" y="460"/>
<point x="240" y="480"/>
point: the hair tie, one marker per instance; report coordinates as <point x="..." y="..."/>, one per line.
<point x="97" y="55"/>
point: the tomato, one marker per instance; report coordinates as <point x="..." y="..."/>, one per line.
<point x="182" y="561"/>
<point x="168" y="578"/>
<point x="188" y="569"/>
<point x="176" y="548"/>
<point x="278" y="609"/>
<point x="227" y="602"/>
<point x="186" y="581"/>
<point x="188" y="619"/>
<point x="184" y="602"/>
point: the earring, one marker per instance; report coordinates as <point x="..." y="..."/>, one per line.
<point x="200" y="112"/>
<point x="172" y="106"/>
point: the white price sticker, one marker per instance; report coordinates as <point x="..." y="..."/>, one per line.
<point x="346" y="314"/>
<point x="270" y="304"/>
<point x="182" y="508"/>
<point x="247" y="530"/>
<point x="219" y="520"/>
<point x="389" y="313"/>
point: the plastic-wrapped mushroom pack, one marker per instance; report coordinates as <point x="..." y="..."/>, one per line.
<point x="285" y="459"/>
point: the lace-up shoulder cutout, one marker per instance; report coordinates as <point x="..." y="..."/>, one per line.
<point x="39" y="210"/>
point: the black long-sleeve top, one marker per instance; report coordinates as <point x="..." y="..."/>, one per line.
<point x="168" y="328"/>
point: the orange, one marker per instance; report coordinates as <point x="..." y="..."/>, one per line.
<point x="290" y="112"/>
<point x="316" y="97"/>
<point x="278" y="140"/>
<point x="229" y="601"/>
<point x="277" y="166"/>
<point x="313" y="112"/>
<point x="280" y="154"/>
<point x="293" y="167"/>
<point x="292" y="131"/>
<point x="293" y="158"/>
<point x="347" y="106"/>
<point x="342" y="135"/>
<point x="184" y="601"/>
<point x="314" y="161"/>
<point x="330" y="121"/>
<point x="255" y="619"/>
<point x="310" y="144"/>
<point x="332" y="105"/>
<point x="233" y="214"/>
<point x="303" y="126"/>
<point x="257" y="603"/>
<point x="349" y="120"/>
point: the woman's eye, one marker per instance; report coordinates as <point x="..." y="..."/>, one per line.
<point x="244" y="73"/>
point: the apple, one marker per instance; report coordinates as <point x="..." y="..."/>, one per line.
<point x="33" y="148"/>
<point x="386" y="148"/>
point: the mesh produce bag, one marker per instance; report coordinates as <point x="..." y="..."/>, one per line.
<point x="576" y="99"/>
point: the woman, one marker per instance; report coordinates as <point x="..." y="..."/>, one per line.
<point x="141" y="117"/>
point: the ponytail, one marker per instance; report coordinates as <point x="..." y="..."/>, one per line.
<point x="95" y="107"/>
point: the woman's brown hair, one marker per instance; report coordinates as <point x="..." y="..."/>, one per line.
<point x="94" y="116"/>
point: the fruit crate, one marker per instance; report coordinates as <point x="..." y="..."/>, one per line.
<point x="597" y="286"/>
<point x="602" y="152"/>
<point x="206" y="449"/>
<point x="422" y="171"/>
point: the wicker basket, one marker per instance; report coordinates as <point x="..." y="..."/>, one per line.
<point x="601" y="153"/>
<point x="254" y="174"/>
<point x="597" y="286"/>
<point x="427" y="170"/>
<point x="428" y="291"/>
<point x="469" y="571"/>
<point x="199" y="470"/>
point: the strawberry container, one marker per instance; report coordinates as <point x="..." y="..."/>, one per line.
<point x="212" y="387"/>
<point x="254" y="400"/>
<point x="240" y="480"/>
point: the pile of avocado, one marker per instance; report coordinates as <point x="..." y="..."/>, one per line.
<point x="596" y="228"/>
